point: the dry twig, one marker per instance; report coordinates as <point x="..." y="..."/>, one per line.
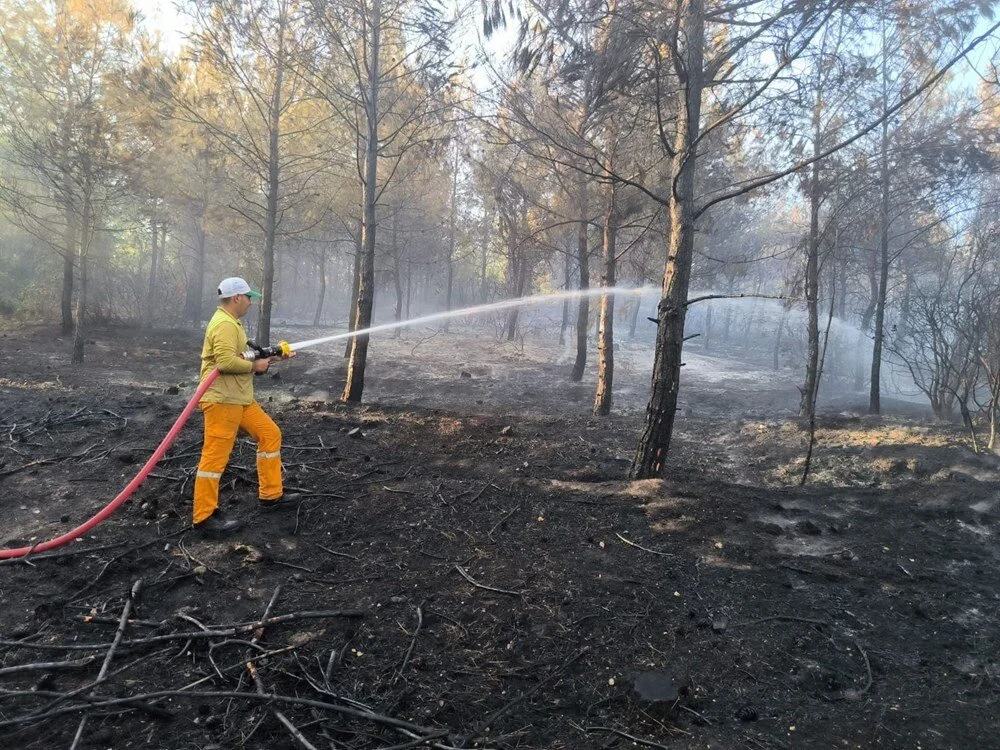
<point x="639" y="546"/>
<point x="478" y="585"/>
<point x="413" y="641"/>
<point x="107" y="658"/>
<point x="259" y="683"/>
<point x="48" y="666"/>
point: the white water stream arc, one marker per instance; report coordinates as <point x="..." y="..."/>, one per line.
<point x="538" y="299"/>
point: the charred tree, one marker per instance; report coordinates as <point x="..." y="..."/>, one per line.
<point x="605" y="334"/>
<point x="654" y="442"/>
<point x="366" y="277"/>
<point x="583" y="312"/>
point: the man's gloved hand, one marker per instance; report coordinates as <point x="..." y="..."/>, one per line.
<point x="260" y="362"/>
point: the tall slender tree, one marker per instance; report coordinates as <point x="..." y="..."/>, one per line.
<point x="248" y="94"/>
<point x="381" y="67"/>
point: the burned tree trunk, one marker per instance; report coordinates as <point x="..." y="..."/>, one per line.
<point x="706" y="341"/>
<point x="321" y="270"/>
<point x="273" y="189"/>
<point x="777" y="340"/>
<point x="634" y="317"/>
<point x="153" y="272"/>
<point x="651" y="452"/>
<point x="807" y="403"/>
<point x="451" y="240"/>
<point x="397" y="274"/>
<point x="69" y="272"/>
<point x="355" y="284"/>
<point x="583" y="313"/>
<point x="565" y="306"/>
<point x="196" y="282"/>
<point x="874" y="397"/>
<point x="86" y="237"/>
<point x="366" y="278"/>
<point x="605" y="335"/>
<point x="409" y="285"/>
<point x="484" y="296"/>
<point x="520" y="280"/>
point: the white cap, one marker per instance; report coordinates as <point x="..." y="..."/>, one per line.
<point x="235" y="285"/>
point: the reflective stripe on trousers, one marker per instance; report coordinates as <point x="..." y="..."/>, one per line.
<point x="222" y="423"/>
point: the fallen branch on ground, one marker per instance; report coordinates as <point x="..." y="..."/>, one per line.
<point x="102" y="675"/>
<point x="478" y="585"/>
<point x="413" y="641"/>
<point x="48" y="666"/>
<point x="639" y="546"/>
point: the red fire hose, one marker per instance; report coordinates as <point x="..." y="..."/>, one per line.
<point x="125" y="493"/>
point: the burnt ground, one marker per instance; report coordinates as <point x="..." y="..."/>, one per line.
<point x="472" y="562"/>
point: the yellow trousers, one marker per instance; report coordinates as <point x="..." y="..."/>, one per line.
<point x="222" y="423"/>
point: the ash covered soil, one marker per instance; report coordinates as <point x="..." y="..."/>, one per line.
<point x="470" y="568"/>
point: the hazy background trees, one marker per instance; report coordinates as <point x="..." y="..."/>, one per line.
<point x="830" y="163"/>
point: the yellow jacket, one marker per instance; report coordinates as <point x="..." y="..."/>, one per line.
<point x="225" y="341"/>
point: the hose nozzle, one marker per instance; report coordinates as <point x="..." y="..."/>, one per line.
<point x="281" y="349"/>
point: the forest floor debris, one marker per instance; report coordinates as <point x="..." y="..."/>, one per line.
<point x="451" y="582"/>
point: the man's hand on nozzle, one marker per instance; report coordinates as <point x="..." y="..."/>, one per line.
<point x="260" y="366"/>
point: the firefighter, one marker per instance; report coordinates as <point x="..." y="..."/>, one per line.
<point x="229" y="406"/>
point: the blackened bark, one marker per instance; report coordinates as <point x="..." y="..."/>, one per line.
<point x="366" y="287"/>
<point x="568" y="269"/>
<point x="355" y="281"/>
<point x="808" y="389"/>
<point x="86" y="237"/>
<point x="605" y="335"/>
<point x="273" y="186"/>
<point x="874" y="397"/>
<point x="583" y="313"/>
<point x="69" y="270"/>
<point x="654" y="442"/>
<point x="397" y="274"/>
<point x="451" y="239"/>
<point x="196" y="282"/>
<point x="321" y="270"/>
<point x="153" y="271"/>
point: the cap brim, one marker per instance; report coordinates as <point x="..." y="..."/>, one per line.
<point x="254" y="294"/>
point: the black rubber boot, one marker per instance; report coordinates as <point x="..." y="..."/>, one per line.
<point x="218" y="524"/>
<point x="288" y="501"/>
